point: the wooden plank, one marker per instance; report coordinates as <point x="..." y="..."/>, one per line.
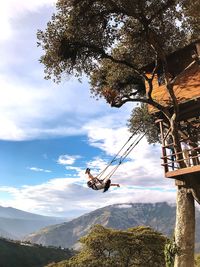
<point x="183" y="171"/>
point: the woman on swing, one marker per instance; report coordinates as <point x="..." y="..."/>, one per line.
<point x="97" y="184"/>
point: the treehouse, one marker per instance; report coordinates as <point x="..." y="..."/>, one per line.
<point x="184" y="64"/>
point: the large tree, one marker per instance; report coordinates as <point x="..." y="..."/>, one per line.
<point x="111" y="41"/>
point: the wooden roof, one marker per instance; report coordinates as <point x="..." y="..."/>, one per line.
<point x="177" y="60"/>
<point x="187" y="88"/>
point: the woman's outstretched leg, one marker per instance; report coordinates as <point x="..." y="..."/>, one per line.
<point x="115" y="185"/>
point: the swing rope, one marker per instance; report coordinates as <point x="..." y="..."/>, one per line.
<point x="122" y="157"/>
<point x="115" y="157"/>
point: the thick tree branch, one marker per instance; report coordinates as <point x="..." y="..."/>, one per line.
<point x="105" y="55"/>
<point x="126" y="63"/>
<point x="119" y="102"/>
<point x="123" y="101"/>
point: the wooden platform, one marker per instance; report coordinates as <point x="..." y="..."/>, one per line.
<point x="182" y="172"/>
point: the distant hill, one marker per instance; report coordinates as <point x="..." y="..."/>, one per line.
<point x="15" y="224"/>
<point x="12" y="213"/>
<point x="14" y="254"/>
<point x="159" y="216"/>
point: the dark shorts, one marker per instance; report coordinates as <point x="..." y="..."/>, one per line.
<point x="95" y="186"/>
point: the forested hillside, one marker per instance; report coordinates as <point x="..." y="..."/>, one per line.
<point x="14" y="254"/>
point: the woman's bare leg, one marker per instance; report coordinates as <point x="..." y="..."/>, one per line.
<point x="115" y="185"/>
<point x="90" y="176"/>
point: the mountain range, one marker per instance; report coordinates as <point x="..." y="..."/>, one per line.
<point x="159" y="216"/>
<point x="15" y="224"/>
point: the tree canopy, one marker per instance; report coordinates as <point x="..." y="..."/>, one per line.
<point x="103" y="247"/>
<point x="83" y="36"/>
<point x="111" y="41"/>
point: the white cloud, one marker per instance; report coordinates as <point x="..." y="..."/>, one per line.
<point x="124" y="206"/>
<point x="13" y="8"/>
<point x="143" y="167"/>
<point x="67" y="159"/>
<point x="109" y="138"/>
<point x="32" y="107"/>
<point x="141" y="180"/>
<point x="69" y="197"/>
<point x="72" y="168"/>
<point x="29" y="112"/>
<point x="97" y="164"/>
<point x="38" y="169"/>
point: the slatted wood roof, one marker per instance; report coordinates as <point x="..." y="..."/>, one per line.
<point x="187" y="88"/>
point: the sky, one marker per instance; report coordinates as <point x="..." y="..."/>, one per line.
<point x="49" y="133"/>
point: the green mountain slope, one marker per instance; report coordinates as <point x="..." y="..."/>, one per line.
<point x="14" y="254"/>
<point x="159" y="216"/>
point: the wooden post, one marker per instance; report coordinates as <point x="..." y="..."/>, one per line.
<point x="164" y="153"/>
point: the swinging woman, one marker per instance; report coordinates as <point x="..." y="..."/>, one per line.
<point x="97" y="184"/>
<point x="105" y="184"/>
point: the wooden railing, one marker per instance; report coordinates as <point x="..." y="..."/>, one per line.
<point x="191" y="157"/>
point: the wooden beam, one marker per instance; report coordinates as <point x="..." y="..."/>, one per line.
<point x="182" y="172"/>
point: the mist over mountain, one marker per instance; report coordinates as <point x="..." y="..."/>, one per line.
<point x="15" y="224"/>
<point x="7" y="235"/>
<point x="160" y="216"/>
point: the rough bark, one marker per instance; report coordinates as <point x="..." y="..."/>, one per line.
<point x="193" y="182"/>
<point x="185" y="228"/>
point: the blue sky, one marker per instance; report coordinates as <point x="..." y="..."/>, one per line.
<point x="50" y="133"/>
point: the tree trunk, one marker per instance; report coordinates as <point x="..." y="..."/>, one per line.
<point x="185" y="228"/>
<point x="194" y="183"/>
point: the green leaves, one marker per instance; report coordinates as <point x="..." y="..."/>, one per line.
<point x="141" y="117"/>
<point x="171" y="250"/>
<point x="139" y="246"/>
<point x="81" y="33"/>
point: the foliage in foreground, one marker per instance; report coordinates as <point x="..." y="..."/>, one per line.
<point x="103" y="247"/>
<point x="13" y="254"/>
<point x="197" y="260"/>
